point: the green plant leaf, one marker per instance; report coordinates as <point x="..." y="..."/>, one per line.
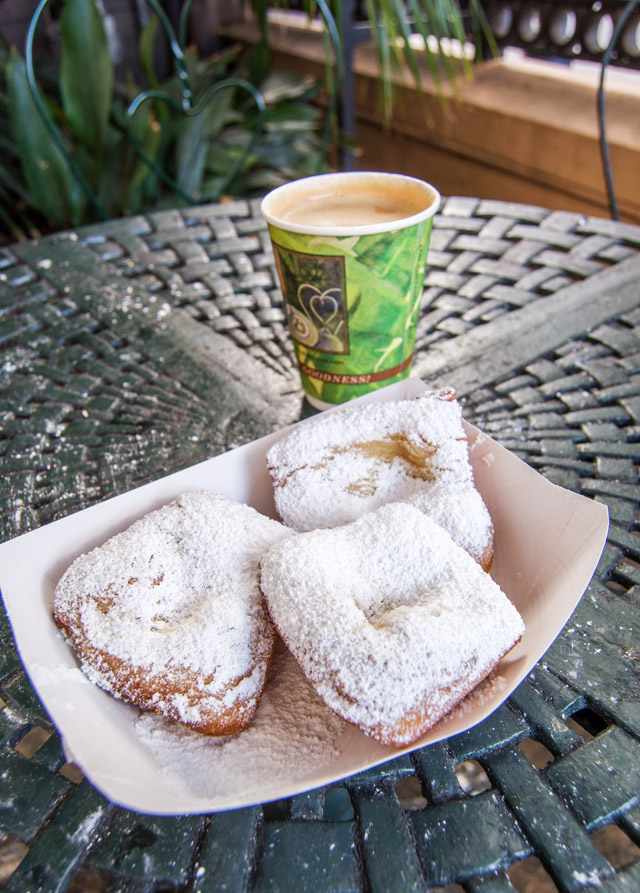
<point x="148" y="132"/>
<point x="146" y="46"/>
<point x="260" y="62"/>
<point x="293" y="114"/>
<point x="196" y="135"/>
<point x="283" y="85"/>
<point x="46" y="173"/>
<point x="380" y="28"/>
<point x="191" y="154"/>
<point x="86" y="72"/>
<point x="482" y="30"/>
<point x="11" y="179"/>
<point x="421" y="23"/>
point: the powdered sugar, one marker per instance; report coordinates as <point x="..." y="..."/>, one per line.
<point x="176" y="594"/>
<point x="388" y="617"/>
<point x="292" y="731"/>
<point x="338" y="466"/>
<point x="460" y="510"/>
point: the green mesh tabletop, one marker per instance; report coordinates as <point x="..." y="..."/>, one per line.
<point x="139" y="347"/>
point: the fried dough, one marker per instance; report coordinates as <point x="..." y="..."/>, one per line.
<point x="389" y="619"/>
<point x="340" y="465"/>
<point x="168" y="614"/>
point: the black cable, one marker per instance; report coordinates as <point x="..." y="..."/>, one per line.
<point x="604" y="145"/>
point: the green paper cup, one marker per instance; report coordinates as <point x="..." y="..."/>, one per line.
<point x="351" y="251"/>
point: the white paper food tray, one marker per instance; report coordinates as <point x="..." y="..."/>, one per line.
<point x="547" y="545"/>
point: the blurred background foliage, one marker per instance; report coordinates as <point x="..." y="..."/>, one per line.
<point x="231" y="147"/>
<point x="73" y="153"/>
<point x="403" y="33"/>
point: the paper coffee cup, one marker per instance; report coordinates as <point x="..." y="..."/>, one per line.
<point x="351" y="249"/>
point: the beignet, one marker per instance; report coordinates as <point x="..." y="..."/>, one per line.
<point x="390" y="620"/>
<point x="460" y="510"/>
<point x="168" y="614"/>
<point x="337" y="466"/>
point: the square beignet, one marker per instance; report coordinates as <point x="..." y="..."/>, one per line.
<point x="169" y="616"/>
<point x="337" y="466"/>
<point x="390" y="620"/>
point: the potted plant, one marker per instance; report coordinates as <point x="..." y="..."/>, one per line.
<point x="81" y="146"/>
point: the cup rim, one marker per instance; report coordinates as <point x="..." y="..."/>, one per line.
<point x="306" y="184"/>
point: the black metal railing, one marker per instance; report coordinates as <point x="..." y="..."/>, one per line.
<point x="552" y="29"/>
<point x="555" y="29"/>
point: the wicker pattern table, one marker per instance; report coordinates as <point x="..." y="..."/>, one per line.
<point x="137" y="347"/>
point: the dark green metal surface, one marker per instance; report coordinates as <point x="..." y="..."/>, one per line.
<point x="138" y="347"/>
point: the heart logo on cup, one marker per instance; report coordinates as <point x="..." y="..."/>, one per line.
<point x="325" y="309"/>
<point x="322" y="305"/>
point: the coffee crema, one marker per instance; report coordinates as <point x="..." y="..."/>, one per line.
<point x="353" y="209"/>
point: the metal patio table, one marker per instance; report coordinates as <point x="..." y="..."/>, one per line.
<point x="134" y="348"/>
